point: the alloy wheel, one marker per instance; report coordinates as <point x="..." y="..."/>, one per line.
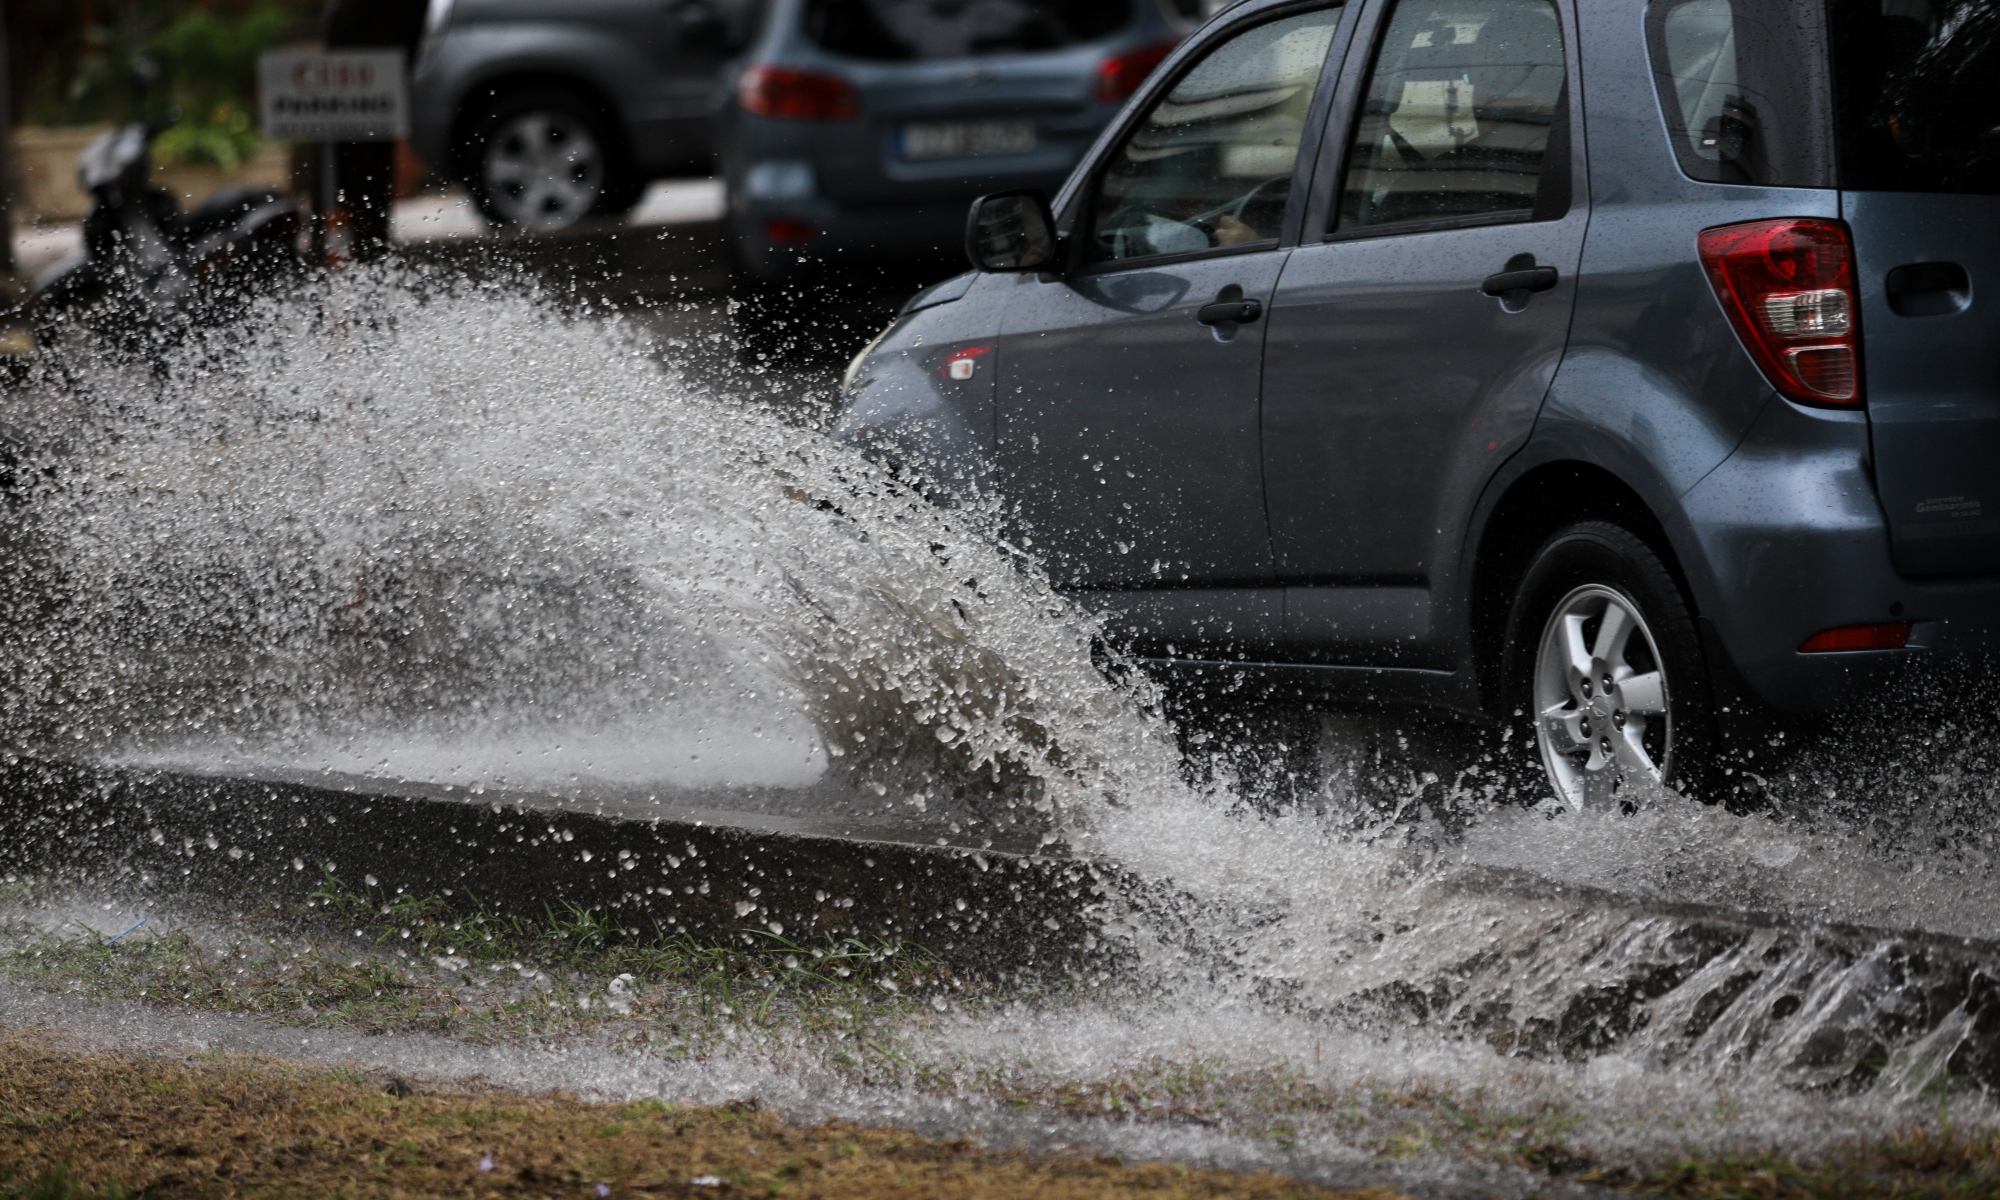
<point x="1602" y="717"/>
<point x="543" y="170"/>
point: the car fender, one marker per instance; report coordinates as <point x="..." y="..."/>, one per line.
<point x="906" y="403"/>
<point x="1790" y="529"/>
<point x="1615" y="415"/>
<point x="1641" y="426"/>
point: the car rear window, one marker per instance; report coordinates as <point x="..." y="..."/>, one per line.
<point x="904" y="30"/>
<point x="1917" y="95"/>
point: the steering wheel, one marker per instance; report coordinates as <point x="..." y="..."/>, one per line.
<point x="1206" y="221"/>
<point x="1130" y="215"/>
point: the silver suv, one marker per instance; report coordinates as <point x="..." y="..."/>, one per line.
<point x="1625" y="370"/>
<point x="553" y="110"/>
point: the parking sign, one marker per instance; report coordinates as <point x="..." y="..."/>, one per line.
<point x="334" y="96"/>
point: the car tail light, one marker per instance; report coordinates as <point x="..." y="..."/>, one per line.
<point x="791" y="95"/>
<point x="782" y="231"/>
<point x="1788" y="287"/>
<point x="1118" y="77"/>
<point x="1891" y="635"/>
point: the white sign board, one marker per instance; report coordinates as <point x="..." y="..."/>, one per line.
<point x="334" y="95"/>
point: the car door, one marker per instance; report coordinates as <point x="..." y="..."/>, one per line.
<point x="1127" y="414"/>
<point x="1415" y="331"/>
<point x="679" y="47"/>
<point x="689" y="41"/>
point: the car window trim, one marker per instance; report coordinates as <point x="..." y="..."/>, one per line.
<point x="1109" y="266"/>
<point x="1312" y="139"/>
<point x="1512" y="216"/>
<point x="1074" y="202"/>
<point x="1336" y="128"/>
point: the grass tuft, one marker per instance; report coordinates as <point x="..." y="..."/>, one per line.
<point x="1917" y="1163"/>
<point x="57" y="1183"/>
<point x="372" y="962"/>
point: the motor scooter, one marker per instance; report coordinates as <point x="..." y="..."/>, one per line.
<point x="148" y="270"/>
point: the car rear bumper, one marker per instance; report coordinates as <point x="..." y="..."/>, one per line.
<point x="1790" y="540"/>
<point x="1955" y="632"/>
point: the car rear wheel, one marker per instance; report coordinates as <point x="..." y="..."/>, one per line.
<point x="1606" y="668"/>
<point x="544" y="159"/>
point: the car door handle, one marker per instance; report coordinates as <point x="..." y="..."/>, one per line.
<point x="1222" y="312"/>
<point x="1532" y="279"/>
<point x="1932" y="289"/>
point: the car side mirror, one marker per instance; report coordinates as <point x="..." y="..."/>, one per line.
<point x="1011" y="231"/>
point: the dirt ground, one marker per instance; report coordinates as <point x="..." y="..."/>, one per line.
<point x="76" y="1124"/>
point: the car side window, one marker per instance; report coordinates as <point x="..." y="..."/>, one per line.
<point x="1745" y="89"/>
<point x="1457" y="118"/>
<point x="1210" y="164"/>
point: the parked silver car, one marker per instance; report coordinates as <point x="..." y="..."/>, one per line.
<point x="553" y="110"/>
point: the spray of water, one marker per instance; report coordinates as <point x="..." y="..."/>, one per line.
<point x="431" y="529"/>
<point x="413" y="527"/>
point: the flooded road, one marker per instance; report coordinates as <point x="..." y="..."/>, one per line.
<point x="433" y="587"/>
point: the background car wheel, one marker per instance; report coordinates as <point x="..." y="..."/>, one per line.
<point x="1604" y="666"/>
<point x="544" y="159"/>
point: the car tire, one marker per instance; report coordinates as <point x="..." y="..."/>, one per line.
<point x="542" y="159"/>
<point x="1598" y="604"/>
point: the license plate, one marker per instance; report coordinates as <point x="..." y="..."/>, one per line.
<point x="967" y="139"/>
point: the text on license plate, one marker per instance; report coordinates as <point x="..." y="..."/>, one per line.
<point x="966" y="139"/>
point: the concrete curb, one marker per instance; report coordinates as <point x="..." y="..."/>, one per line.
<point x="261" y="841"/>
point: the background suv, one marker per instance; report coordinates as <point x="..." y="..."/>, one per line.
<point x="553" y="110"/>
<point x="1623" y="369"/>
<point x="857" y="130"/>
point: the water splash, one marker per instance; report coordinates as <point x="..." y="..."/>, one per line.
<point x="404" y="524"/>
<point x="413" y="527"/>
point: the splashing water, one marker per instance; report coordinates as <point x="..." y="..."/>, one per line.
<point x="405" y="528"/>
<point x="422" y="529"/>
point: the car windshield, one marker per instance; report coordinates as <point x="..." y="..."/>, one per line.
<point x="903" y="30"/>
